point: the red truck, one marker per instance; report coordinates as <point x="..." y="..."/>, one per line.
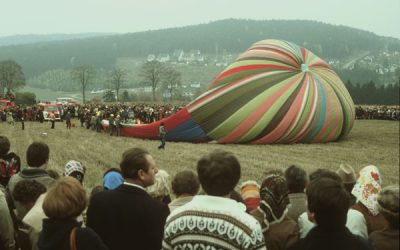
<point x="6" y="104"/>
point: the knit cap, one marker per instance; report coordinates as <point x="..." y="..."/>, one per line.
<point x="250" y="192"/>
<point x="75" y="169"/>
<point x="112" y="179"/>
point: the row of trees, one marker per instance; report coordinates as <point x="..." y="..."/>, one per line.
<point x="370" y="93"/>
<point x="153" y="74"/>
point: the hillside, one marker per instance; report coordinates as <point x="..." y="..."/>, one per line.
<point x="216" y="38"/>
<point x="34" y="38"/>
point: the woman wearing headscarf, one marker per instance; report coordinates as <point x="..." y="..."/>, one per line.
<point x="279" y="230"/>
<point x="366" y="191"/>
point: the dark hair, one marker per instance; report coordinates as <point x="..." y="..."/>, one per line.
<point x="218" y="172"/>
<point x="329" y="201"/>
<point x="27" y="191"/>
<point x="4" y="145"/>
<point x="37" y="154"/>
<point x="325" y="173"/>
<point x="185" y="182"/>
<point x="132" y="161"/>
<point x="112" y="170"/>
<point x="234" y="195"/>
<point x="296" y="178"/>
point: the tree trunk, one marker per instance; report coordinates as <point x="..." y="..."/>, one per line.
<point x="83" y="95"/>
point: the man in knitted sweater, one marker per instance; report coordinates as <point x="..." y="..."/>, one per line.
<point x="214" y="221"/>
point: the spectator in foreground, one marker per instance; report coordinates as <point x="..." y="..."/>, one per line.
<point x="7" y="230"/>
<point x="112" y="179"/>
<point x="388" y="206"/>
<point x="250" y="193"/>
<point x="10" y="163"/>
<point x="30" y="194"/>
<point x="297" y="180"/>
<point x="75" y="169"/>
<point x="218" y="222"/>
<point x="185" y="186"/>
<point x="66" y="200"/>
<point x="160" y="190"/>
<point x="355" y="220"/>
<point x="366" y="191"/>
<point x="127" y="217"/>
<point x="279" y="230"/>
<point x="328" y="203"/>
<point x="348" y="176"/>
<point x="37" y="157"/>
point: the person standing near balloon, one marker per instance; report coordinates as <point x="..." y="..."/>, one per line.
<point x="162" y="134"/>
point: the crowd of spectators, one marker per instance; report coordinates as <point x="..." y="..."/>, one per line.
<point x="90" y="115"/>
<point x="378" y="112"/>
<point x="139" y="206"/>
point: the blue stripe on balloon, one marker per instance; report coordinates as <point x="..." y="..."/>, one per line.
<point x="187" y="131"/>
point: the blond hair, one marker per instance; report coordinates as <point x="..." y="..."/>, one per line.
<point x="66" y="198"/>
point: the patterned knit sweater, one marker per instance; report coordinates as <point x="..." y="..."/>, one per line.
<point x="210" y="222"/>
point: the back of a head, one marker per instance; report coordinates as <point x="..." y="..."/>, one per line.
<point x="112" y="179"/>
<point x="329" y="202"/>
<point x="160" y="188"/>
<point x="325" y="173"/>
<point x="66" y="198"/>
<point x="37" y="154"/>
<point x="185" y="182"/>
<point x="296" y="179"/>
<point x="388" y="205"/>
<point x="218" y="172"/>
<point x="75" y="169"/>
<point x="27" y="191"/>
<point x="132" y="161"/>
<point x="4" y="145"/>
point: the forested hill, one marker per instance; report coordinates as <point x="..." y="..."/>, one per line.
<point x="228" y="36"/>
<point x="35" y="38"/>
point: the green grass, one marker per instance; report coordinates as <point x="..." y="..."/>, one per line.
<point x="370" y="142"/>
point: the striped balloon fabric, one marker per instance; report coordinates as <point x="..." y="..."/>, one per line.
<point x="275" y="92"/>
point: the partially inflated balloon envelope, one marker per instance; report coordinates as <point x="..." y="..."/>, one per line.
<point x="275" y="92"/>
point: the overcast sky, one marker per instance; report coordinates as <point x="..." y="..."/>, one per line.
<point x="122" y="16"/>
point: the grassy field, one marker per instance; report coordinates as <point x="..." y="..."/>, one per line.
<point x="370" y="142"/>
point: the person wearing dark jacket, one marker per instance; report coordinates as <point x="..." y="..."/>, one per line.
<point x="327" y="204"/>
<point x="128" y="217"/>
<point x="66" y="200"/>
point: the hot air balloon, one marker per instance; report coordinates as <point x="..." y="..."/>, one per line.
<point x="275" y="92"/>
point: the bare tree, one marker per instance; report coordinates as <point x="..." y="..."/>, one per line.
<point x="151" y="74"/>
<point x="83" y="74"/>
<point x="172" y="81"/>
<point x="11" y="76"/>
<point x="118" y="77"/>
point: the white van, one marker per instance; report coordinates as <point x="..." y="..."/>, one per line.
<point x="64" y="100"/>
